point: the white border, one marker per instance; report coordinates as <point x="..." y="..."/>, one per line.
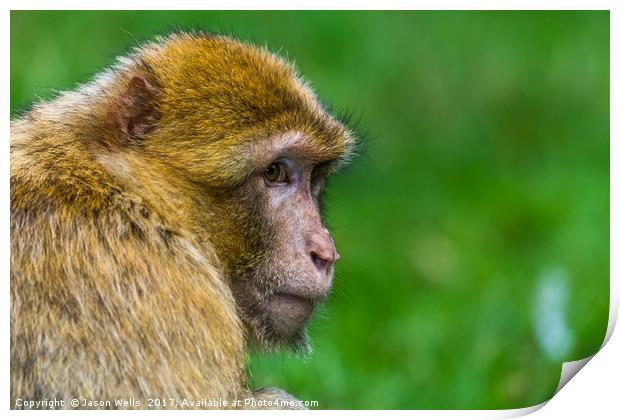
<point x="312" y="5"/>
<point x="593" y="393"/>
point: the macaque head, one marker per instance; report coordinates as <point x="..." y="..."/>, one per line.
<point x="251" y="137"/>
<point x="288" y="265"/>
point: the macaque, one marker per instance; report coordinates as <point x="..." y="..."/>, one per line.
<point x="165" y="218"/>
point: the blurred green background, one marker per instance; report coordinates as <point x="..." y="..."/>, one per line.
<point x="474" y="227"/>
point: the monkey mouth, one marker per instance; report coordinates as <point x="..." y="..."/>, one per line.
<point x="289" y="312"/>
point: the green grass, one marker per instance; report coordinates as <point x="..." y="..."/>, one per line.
<point x="484" y="182"/>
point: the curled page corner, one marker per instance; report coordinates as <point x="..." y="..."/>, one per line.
<point x="569" y="370"/>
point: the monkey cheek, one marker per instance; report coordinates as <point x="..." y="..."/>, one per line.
<point x="289" y="313"/>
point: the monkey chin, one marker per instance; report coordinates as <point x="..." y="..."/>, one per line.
<point x="288" y="315"/>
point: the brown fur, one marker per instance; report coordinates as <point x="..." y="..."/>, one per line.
<point x="121" y="245"/>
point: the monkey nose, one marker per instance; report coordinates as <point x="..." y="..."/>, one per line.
<point x="323" y="253"/>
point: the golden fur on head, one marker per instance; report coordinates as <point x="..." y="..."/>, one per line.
<point x="116" y="287"/>
<point x="219" y="94"/>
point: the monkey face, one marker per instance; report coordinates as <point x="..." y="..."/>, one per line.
<point x="287" y="255"/>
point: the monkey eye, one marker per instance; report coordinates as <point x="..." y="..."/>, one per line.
<point x="276" y="172"/>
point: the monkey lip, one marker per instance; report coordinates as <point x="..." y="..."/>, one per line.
<point x="290" y="311"/>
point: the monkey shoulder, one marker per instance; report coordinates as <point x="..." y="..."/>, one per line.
<point x="104" y="272"/>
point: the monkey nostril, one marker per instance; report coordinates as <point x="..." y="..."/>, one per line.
<point x="321" y="263"/>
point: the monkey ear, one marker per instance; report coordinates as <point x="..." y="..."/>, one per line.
<point x="137" y="109"/>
